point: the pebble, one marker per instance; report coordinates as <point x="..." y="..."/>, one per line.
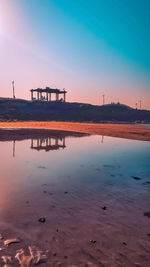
<point x="136" y="178"/>
<point x="42" y="220"/>
<point x="147" y="214"/>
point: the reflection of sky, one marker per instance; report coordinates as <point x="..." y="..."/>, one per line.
<point x="85" y="167"/>
<point x="132" y="157"/>
<point x="89" y="47"/>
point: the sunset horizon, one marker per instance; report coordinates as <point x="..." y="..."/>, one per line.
<point x="89" y="48"/>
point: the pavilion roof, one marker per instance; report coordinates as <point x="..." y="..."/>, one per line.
<point x="49" y="90"/>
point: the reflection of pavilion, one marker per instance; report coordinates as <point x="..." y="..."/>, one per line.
<point x="48" y="143"/>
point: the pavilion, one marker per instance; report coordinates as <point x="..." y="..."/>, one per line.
<point x="48" y="92"/>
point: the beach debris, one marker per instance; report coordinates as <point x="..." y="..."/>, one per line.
<point x="11" y="241"/>
<point x="147" y="214"/>
<point x="65" y="257"/>
<point x="35" y="256"/>
<point x="7" y="260"/>
<point x="104" y="208"/>
<point x="42" y="220"/>
<point x="148" y="234"/>
<point x="1" y="237"/>
<point x="136" y="178"/>
<point x="66" y="192"/>
<point x="124" y="243"/>
<point x="90" y="264"/>
<point x="44" y="191"/>
<point x="93" y="241"/>
<point x="24" y="260"/>
<point x="54" y="254"/>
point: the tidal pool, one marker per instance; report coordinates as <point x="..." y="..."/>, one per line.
<point x="93" y="193"/>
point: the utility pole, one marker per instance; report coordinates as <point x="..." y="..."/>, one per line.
<point x="13" y="87"/>
<point x="136" y="105"/>
<point x="140" y="104"/>
<point x="103" y="99"/>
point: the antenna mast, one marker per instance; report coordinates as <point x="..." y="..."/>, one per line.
<point x="103" y="99"/>
<point x="13" y="87"/>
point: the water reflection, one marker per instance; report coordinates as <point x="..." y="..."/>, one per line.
<point x="47" y="144"/>
<point x="86" y="190"/>
<point x="40" y="140"/>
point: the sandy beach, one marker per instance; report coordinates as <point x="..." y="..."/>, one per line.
<point x="128" y="131"/>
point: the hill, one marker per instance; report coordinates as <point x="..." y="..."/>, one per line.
<point x="24" y="110"/>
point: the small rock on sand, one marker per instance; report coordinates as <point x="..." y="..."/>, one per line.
<point x="42" y="220"/>
<point x="147" y="214"/>
<point x="136" y="178"/>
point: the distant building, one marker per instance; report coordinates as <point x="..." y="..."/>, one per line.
<point x="47" y="94"/>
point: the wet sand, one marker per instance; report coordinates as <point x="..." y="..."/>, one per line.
<point x="129" y="131"/>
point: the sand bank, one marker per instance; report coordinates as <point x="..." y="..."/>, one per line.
<point x="129" y="131"/>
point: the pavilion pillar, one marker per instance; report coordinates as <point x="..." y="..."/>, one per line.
<point x="47" y="96"/>
<point x="32" y="95"/>
<point x="47" y="141"/>
<point x="64" y="96"/>
<point x="64" y="141"/>
<point x="31" y="143"/>
<point x="38" y="144"/>
<point x="38" y="95"/>
<point x="56" y="142"/>
<point x="56" y="97"/>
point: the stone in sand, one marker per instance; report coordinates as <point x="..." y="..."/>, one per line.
<point x="42" y="220"/>
<point x="147" y="214"/>
<point x="136" y="178"/>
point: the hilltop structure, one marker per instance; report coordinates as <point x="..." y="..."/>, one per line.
<point x="48" y="92"/>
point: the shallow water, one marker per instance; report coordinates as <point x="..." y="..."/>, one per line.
<point x="92" y="191"/>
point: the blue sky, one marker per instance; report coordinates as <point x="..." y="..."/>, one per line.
<point x="89" y="47"/>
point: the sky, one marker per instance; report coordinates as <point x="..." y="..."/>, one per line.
<point x="89" y="47"/>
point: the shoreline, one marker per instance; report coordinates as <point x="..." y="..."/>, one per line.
<point x="127" y="131"/>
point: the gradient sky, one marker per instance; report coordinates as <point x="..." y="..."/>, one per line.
<point x="89" y="47"/>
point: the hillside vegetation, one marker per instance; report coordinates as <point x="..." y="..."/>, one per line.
<point x="24" y="110"/>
